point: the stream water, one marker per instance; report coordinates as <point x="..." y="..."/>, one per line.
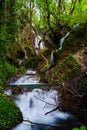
<point x="35" y="105"/>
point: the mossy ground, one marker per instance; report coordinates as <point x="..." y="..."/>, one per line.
<point x="10" y="114"/>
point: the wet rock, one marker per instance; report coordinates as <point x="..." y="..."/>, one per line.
<point x="16" y="90"/>
<point x="25" y="89"/>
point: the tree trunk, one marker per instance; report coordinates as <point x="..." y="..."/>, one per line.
<point x="74" y="2"/>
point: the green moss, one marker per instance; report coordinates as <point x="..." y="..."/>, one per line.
<point x="65" y="69"/>
<point x="6" y="70"/>
<point x="32" y="62"/>
<point x="1" y="89"/>
<point x="68" y="68"/>
<point x="10" y="114"/>
<point x="13" y="50"/>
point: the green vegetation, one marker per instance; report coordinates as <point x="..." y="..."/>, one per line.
<point x="6" y="70"/>
<point x="32" y="62"/>
<point x="68" y="68"/>
<point x="65" y="69"/>
<point x="81" y="128"/>
<point x="10" y="114"/>
<point x="51" y="19"/>
<point x="21" y="21"/>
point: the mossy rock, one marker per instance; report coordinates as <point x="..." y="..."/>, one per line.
<point x="10" y="114"/>
<point x="66" y="69"/>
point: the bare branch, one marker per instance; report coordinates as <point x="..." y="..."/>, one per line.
<point x="34" y="123"/>
<point x="45" y="101"/>
<point x="52" y="110"/>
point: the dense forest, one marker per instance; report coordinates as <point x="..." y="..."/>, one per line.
<point x="49" y="36"/>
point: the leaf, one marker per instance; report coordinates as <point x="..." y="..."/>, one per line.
<point x="75" y="129"/>
<point x="82" y="128"/>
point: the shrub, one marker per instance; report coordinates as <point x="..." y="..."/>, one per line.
<point x="6" y="70"/>
<point x="81" y="128"/>
<point x="10" y="114"/>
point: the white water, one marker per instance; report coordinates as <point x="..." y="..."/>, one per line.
<point x="28" y="78"/>
<point x="36" y="103"/>
<point x="38" y="43"/>
<point x="62" y="41"/>
<point x="52" y="58"/>
<point x="60" y="48"/>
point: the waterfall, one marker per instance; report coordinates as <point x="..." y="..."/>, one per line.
<point x="35" y="105"/>
<point x="62" y="41"/>
<point x="28" y="78"/>
<point x="38" y="43"/>
<point x="20" y="62"/>
<point x="60" y="47"/>
<point x="37" y="40"/>
<point x="52" y="58"/>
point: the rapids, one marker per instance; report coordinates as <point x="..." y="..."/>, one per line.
<point x="35" y="105"/>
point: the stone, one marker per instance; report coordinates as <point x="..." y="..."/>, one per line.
<point x="16" y="90"/>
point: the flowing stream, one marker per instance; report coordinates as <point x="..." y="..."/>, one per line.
<point x="35" y="105"/>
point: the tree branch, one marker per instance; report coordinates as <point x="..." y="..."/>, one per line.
<point x="45" y="101"/>
<point x="52" y="110"/>
<point x="34" y="123"/>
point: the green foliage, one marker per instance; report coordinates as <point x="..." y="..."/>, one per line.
<point x="68" y="68"/>
<point x="32" y="62"/>
<point x="13" y="50"/>
<point x="6" y="70"/>
<point x="81" y="128"/>
<point x="10" y="114"/>
<point x="1" y="90"/>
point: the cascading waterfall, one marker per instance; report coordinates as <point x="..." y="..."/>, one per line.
<point x="62" y="41"/>
<point x="35" y="105"/>
<point x="52" y="58"/>
<point x="28" y="78"/>
<point x="60" y="48"/>
<point x="38" y="43"/>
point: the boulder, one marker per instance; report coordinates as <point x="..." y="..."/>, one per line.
<point x="16" y="90"/>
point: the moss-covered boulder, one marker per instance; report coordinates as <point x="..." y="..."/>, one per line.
<point x="10" y="114"/>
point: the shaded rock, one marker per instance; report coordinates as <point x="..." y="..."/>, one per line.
<point x="16" y="90"/>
